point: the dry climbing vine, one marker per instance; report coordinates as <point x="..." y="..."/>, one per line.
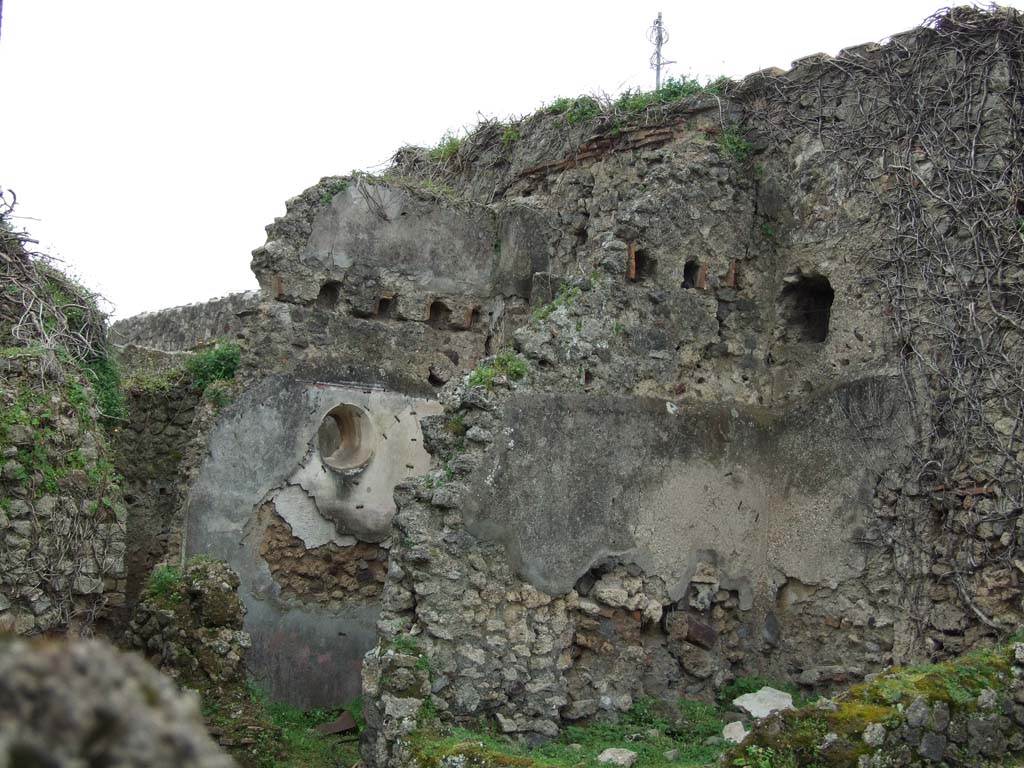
<point x="42" y="308"/>
<point x="932" y="122"/>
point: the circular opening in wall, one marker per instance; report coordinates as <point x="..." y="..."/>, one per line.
<point x="346" y="438"/>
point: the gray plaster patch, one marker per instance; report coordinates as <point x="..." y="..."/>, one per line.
<point x="441" y="249"/>
<point x="360" y="501"/>
<point x="263" y="446"/>
<point x="753" y="493"/>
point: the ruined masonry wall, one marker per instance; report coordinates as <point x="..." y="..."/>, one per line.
<point x="913" y="559"/>
<point x="183" y="328"/>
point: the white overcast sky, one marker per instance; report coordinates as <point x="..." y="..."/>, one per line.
<point x="150" y="142"/>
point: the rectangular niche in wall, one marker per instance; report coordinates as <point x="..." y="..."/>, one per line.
<point x="805" y="309"/>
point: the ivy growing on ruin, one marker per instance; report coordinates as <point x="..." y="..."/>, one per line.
<point x="934" y="119"/>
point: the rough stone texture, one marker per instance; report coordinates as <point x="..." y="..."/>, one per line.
<point x="741" y="445"/>
<point x="62" y="516"/>
<point x="327" y="574"/>
<point x="769" y="487"/>
<point x="618" y="756"/>
<point x="193" y="629"/>
<point x="486" y="594"/>
<point x="920" y="727"/>
<point x="183" y="328"/>
<point x="151" y="447"/>
<point x="84" y="703"/>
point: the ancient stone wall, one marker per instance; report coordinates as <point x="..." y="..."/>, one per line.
<point x="747" y="399"/>
<point x="151" y="447"/>
<point x="62" y="518"/>
<point x="188" y="623"/>
<point x="183" y="328"/>
<point x="826" y="245"/>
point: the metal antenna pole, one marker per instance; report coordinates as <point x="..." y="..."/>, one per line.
<point x="658" y="35"/>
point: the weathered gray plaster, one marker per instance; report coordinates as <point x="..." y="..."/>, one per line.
<point x="380" y="229"/>
<point x="574" y="479"/>
<point x="361" y="502"/>
<point x="302" y="654"/>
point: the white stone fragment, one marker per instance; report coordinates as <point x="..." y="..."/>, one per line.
<point x="616" y="756"/>
<point x="763" y="702"/>
<point x="734" y="732"/>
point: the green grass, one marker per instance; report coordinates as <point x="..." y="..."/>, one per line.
<point x="28" y="351"/>
<point x="507" y="364"/>
<point x="276" y="735"/>
<point x="333" y="188"/>
<point x="675" y="89"/>
<point x="957" y="682"/>
<point x="105" y="378"/>
<point x="509" y="136"/>
<point x="48" y="459"/>
<point x="405" y="644"/>
<point x="300" y="746"/>
<point x="218" y="393"/>
<point x="154" y="382"/>
<point x="734" y="143"/>
<point x="649" y="728"/>
<point x="633" y="102"/>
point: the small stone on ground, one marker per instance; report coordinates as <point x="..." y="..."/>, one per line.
<point x="763" y="702"/>
<point x="616" y="756"/>
<point x="734" y="733"/>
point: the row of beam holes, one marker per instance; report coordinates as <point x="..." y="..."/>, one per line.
<point x="439" y="315"/>
<point x="805" y="306"/>
<point x="330" y="295"/>
<point x="646" y="267"/>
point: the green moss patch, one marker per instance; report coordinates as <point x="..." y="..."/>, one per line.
<point x="956" y="682"/>
<point x="796" y="738"/>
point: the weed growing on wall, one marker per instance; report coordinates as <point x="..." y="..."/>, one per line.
<point x="214" y="362"/>
<point x="733" y="143"/>
<point x="163" y="584"/>
<point x="575" y="110"/>
<point x="446" y="148"/>
<point x="62" y="494"/>
<point x="105" y="378"/>
<point x="507" y="364"/>
<point x="334" y="188"/>
<point x="566" y="295"/>
<point x="509" y="136"/>
<point x="633" y="102"/>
